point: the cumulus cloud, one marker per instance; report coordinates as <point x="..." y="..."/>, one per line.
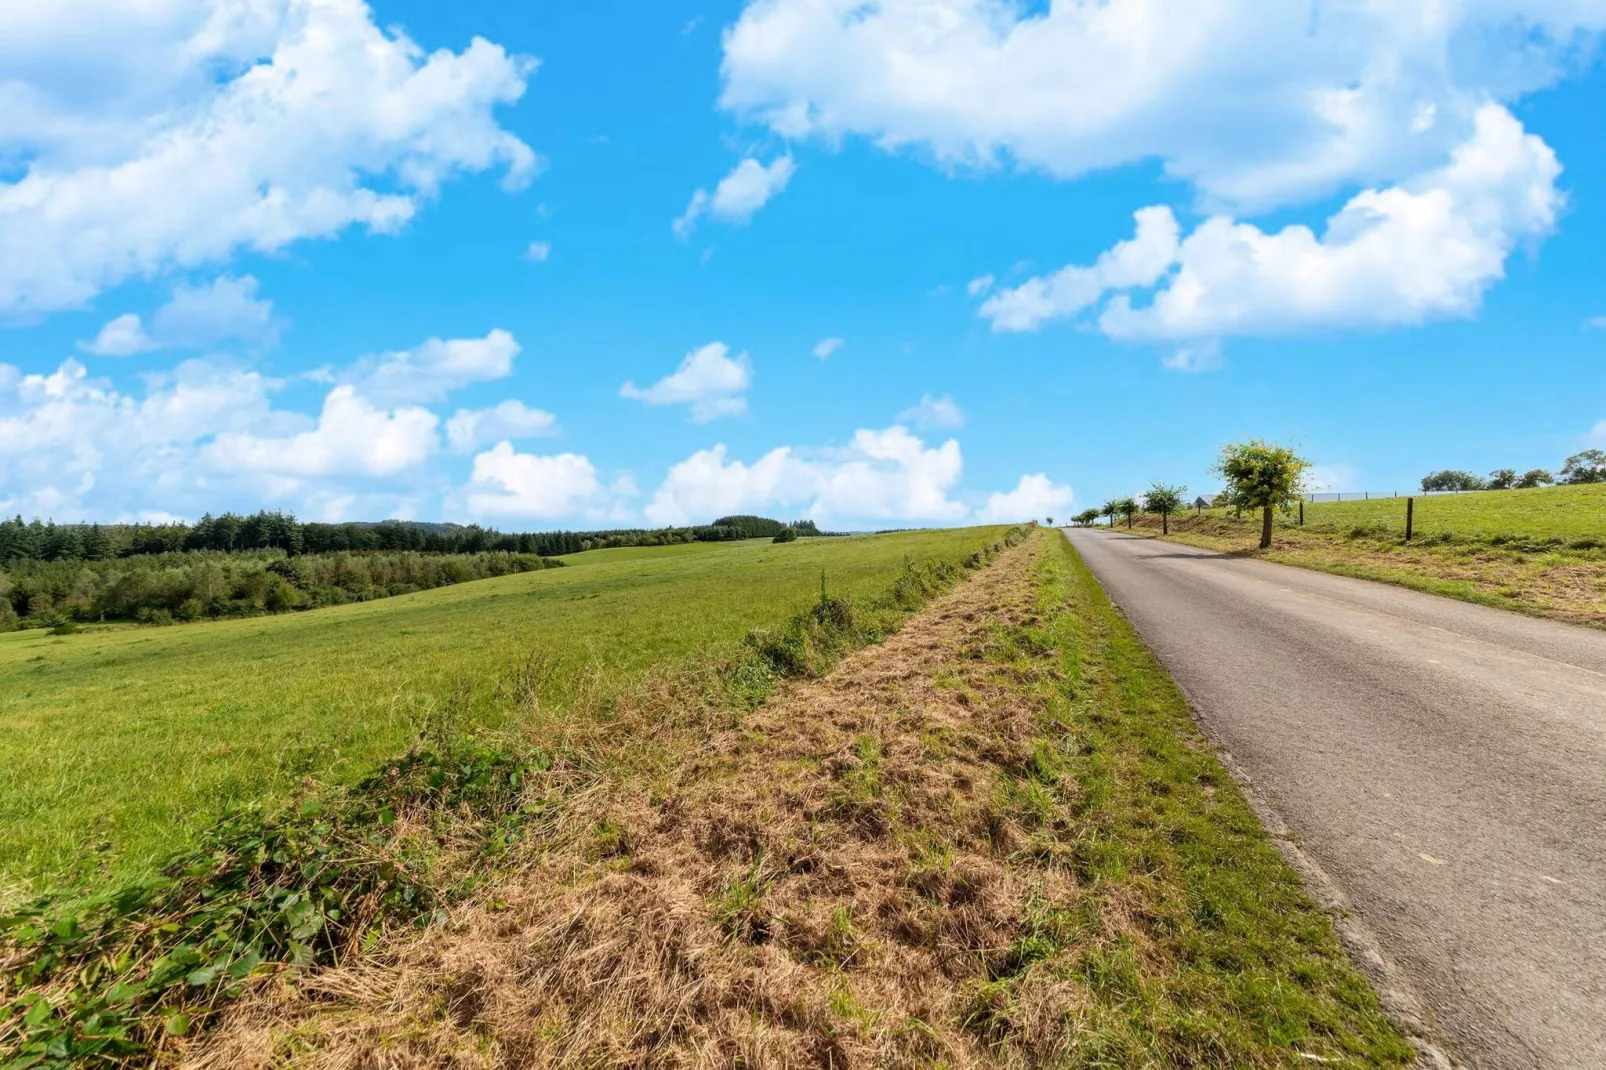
<point x="880" y="476"/>
<point x="708" y="380"/>
<point x="748" y="187"/>
<point x="932" y="412"/>
<point x="1425" y="249"/>
<point x="207" y="435"/>
<point x="469" y="429"/>
<point x="826" y="346"/>
<point x="1255" y="105"/>
<point x="435" y="368"/>
<point x="1034" y="496"/>
<point x="177" y="133"/>
<point x="507" y="483"/>
<point x="194" y="317"/>
<point x="351" y="437"/>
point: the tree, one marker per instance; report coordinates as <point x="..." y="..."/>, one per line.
<point x="1164" y="500"/>
<point x="1048" y="521"/>
<point x="1451" y="479"/>
<point x="1086" y="517"/>
<point x="1109" y="509"/>
<point x="1501" y="479"/>
<point x="1535" y="477"/>
<point x="1262" y="475"/>
<point x="1586" y="467"/>
<point x="1126" y="507"/>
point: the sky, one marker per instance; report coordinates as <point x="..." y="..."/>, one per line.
<point x="904" y="262"/>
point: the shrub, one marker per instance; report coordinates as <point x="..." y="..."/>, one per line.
<point x="1502" y="479"/>
<point x="1535" y="477"/>
<point x="785" y="535"/>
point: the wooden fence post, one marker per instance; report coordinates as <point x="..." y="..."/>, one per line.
<point x="1302" y="512"/>
<point x="1410" y="515"/>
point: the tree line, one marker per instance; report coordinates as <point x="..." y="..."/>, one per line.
<point x="1587" y="466"/>
<point x="44" y="540"/>
<point x="1258" y="476"/>
<point x="63" y="575"/>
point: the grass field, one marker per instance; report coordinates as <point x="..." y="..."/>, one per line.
<point x="1567" y="513"/>
<point x="996" y="839"/>
<point x="119" y="746"/>
<point x="1539" y="551"/>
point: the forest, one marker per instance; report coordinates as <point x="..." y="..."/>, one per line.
<point x="64" y="575"/>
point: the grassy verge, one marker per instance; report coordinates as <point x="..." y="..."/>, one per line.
<point x="1549" y="576"/>
<point x="122" y="746"/>
<point x="128" y="973"/>
<point x="995" y="839"/>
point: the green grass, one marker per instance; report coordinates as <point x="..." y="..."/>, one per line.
<point x="120" y="746"/>
<point x="1567" y="513"/>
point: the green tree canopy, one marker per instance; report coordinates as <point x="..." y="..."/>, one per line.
<point x="1165" y="500"/>
<point x="1262" y="475"/>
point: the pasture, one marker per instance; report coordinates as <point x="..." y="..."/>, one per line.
<point x="1564" y="513"/>
<point x="120" y="745"/>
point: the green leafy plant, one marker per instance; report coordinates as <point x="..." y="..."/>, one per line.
<point x="1262" y="475"/>
<point x="1164" y="500"/>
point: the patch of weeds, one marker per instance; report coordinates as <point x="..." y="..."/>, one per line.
<point x="99" y="981"/>
<point x="841" y="943"/>
<point x="740" y="908"/>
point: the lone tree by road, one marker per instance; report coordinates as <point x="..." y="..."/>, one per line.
<point x="1261" y="475"/>
<point x="1164" y="500"/>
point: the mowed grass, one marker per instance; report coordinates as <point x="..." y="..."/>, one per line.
<point x="1568" y="513"/>
<point x="119" y="746"/>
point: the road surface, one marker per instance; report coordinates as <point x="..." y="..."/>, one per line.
<point x="1444" y="763"/>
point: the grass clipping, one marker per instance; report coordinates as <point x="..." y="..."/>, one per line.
<point x="992" y="840"/>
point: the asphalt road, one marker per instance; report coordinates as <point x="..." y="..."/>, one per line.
<point x="1444" y="763"/>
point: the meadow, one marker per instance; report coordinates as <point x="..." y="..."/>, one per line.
<point x="1540" y="551"/>
<point x="1565" y="513"/>
<point x="121" y="745"/>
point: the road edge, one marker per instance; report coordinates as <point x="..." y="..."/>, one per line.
<point x="1394" y="992"/>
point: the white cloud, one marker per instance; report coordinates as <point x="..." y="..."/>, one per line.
<point x="826" y="346"/>
<point x="194" y="317"/>
<point x="1139" y="261"/>
<point x="351" y="437"/>
<point x="1255" y="105"/>
<point x="748" y="187"/>
<point x="172" y="134"/>
<point x="979" y="285"/>
<point x="888" y="475"/>
<point x="1198" y="357"/>
<point x="73" y="443"/>
<point x="434" y="369"/>
<point x="708" y="380"/>
<point x="468" y="429"/>
<point x="932" y="412"/>
<point x="506" y="483"/>
<point x="1425" y="249"/>
<point x="1330" y="477"/>
<point x="1595" y="323"/>
<point x="1034" y="496"/>
<point x="121" y="337"/>
<point x="538" y="252"/>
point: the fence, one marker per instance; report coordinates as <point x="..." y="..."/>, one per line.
<point x="1370" y="495"/>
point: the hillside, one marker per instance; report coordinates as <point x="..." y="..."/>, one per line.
<point x="127" y="742"/>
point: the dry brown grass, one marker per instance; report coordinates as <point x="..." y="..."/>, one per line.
<point x="837" y="852"/>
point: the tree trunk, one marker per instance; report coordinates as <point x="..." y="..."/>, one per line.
<point x="1165" y="523"/>
<point x="1265" y="529"/>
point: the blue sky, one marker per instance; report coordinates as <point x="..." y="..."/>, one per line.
<point x="452" y="261"/>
